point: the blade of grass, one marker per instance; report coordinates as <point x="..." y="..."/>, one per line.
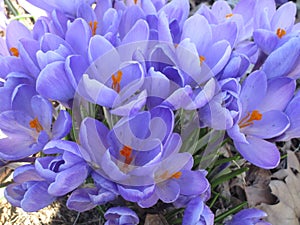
<point x="226" y="177"/>
<point x="231" y="211"/>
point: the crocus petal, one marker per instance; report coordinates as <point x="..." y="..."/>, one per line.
<point x="168" y="191"/>
<point x="37" y="197"/>
<point x="259" y="152"/>
<point x="198" y="184"/>
<point x="202" y="36"/>
<point x="266" y="40"/>
<point x="42" y="109"/>
<point x="288" y="12"/>
<point x="193" y="212"/>
<point x="135" y="194"/>
<point x="14" y="32"/>
<point x="27" y="51"/>
<point x="62" y="125"/>
<point x="96" y="92"/>
<point x="78" y="42"/>
<point x="218" y="55"/>
<point x="287" y="53"/>
<point x="279" y="93"/>
<point x="93" y="138"/>
<point x="272" y="124"/>
<point x="177" y="10"/>
<point x="254" y="85"/>
<point x="80" y="201"/>
<point x="68" y="180"/>
<point x="292" y="111"/>
<point x="53" y="83"/>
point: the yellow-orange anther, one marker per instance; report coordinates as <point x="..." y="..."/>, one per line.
<point x="176" y="175"/>
<point x="135" y="1"/>
<point x="229" y="15"/>
<point x="116" y="81"/>
<point x="14" y="51"/>
<point x="93" y="26"/>
<point x="126" y="151"/>
<point x="35" y="124"/>
<point x="280" y="32"/>
<point x="202" y="59"/>
<point x="249" y="118"/>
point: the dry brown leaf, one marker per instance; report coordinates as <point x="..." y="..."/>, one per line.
<point x="287" y="210"/>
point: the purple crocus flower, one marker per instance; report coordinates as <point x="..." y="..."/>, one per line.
<point x="61" y="171"/>
<point x="29" y="190"/>
<point x="271" y="25"/>
<point x="262" y="118"/>
<point x="248" y="217"/>
<point x="197" y="212"/>
<point x="16" y="51"/>
<point x="110" y="81"/>
<point x="27" y="124"/>
<point x="121" y="216"/>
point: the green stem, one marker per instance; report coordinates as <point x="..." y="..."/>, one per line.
<point x="11" y="7"/>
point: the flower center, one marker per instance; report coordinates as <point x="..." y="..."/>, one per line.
<point x="35" y="124"/>
<point x="116" y="81"/>
<point x="249" y="118"/>
<point x="229" y="15"/>
<point x="126" y="151"/>
<point x="166" y="175"/>
<point x="135" y="1"/>
<point x="176" y="175"/>
<point x="14" y="51"/>
<point x="93" y="26"/>
<point x="280" y="32"/>
<point x="202" y="59"/>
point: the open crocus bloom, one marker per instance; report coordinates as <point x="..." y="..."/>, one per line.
<point x="262" y="118"/>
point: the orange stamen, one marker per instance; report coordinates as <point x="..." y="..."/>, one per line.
<point x="14" y="51"/>
<point x="280" y="32"/>
<point x="229" y="15"/>
<point x="35" y="124"/>
<point x="202" y="59"/>
<point x="116" y="81"/>
<point x="176" y="175"/>
<point x="135" y="1"/>
<point x="126" y="151"/>
<point x="249" y="118"/>
<point x="93" y="26"/>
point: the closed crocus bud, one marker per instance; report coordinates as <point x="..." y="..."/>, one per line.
<point x="248" y="217"/>
<point x="120" y="216"/>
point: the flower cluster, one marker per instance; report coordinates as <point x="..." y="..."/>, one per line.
<point x="102" y="96"/>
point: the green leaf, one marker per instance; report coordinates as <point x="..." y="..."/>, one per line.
<point x="226" y="177"/>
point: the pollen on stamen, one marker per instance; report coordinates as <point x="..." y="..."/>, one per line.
<point x="14" y="51"/>
<point x="135" y="1"/>
<point x="116" y="80"/>
<point x="202" y="59"/>
<point x="229" y="15"/>
<point x="93" y="25"/>
<point x="249" y="118"/>
<point x="280" y="32"/>
<point x="126" y="151"/>
<point x="35" y="124"/>
<point x="177" y="175"/>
